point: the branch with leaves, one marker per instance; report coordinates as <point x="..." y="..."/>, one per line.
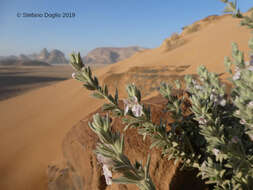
<point x="232" y="7"/>
<point x="110" y="153"/>
<point x="210" y="138"/>
<point x="84" y="74"/>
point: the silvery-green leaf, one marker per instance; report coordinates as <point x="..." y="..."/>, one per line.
<point x="97" y="95"/>
<point x="108" y="107"/>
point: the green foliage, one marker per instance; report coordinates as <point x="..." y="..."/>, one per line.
<point x="77" y="60"/>
<point x="193" y="28"/>
<point x="84" y="74"/>
<point x="110" y="152"/>
<point x="133" y="91"/>
<point x="243" y="91"/>
<point x="215" y="134"/>
<point x="232" y="7"/>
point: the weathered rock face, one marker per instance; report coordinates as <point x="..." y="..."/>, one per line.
<point x="82" y="171"/>
<point x="53" y="57"/>
<point x="108" y="55"/>
<point x="56" y="57"/>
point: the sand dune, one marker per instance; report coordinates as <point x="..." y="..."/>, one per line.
<point x="207" y="46"/>
<point x="34" y="124"/>
<point x="32" y="128"/>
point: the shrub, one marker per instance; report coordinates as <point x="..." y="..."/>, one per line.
<point x="193" y="28"/>
<point x="175" y="36"/>
<point x="232" y="7"/>
<point x="174" y="41"/>
<point x="248" y="21"/>
<point x="251" y="9"/>
<point x="216" y="136"/>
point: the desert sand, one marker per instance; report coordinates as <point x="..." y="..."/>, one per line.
<point x="34" y="124"/>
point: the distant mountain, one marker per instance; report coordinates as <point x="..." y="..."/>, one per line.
<point x="57" y="57"/>
<point x="33" y="63"/>
<point x="10" y="57"/>
<point x="109" y="55"/>
<point x="44" y="54"/>
<point x="20" y="60"/>
<point x="53" y="57"/>
<point x="43" y="58"/>
<point x="23" y="57"/>
<point x="102" y="55"/>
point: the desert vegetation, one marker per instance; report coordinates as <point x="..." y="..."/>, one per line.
<point x="174" y="41"/>
<point x="251" y="9"/>
<point x="248" y="21"/>
<point x="232" y="7"/>
<point x="193" y="28"/>
<point x="211" y="131"/>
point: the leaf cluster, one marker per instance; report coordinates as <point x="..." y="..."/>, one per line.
<point x="232" y="7"/>
<point x="111" y="146"/>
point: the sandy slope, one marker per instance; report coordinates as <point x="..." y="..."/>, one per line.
<point x="33" y="124"/>
<point x="207" y="46"/>
<point x="32" y="128"/>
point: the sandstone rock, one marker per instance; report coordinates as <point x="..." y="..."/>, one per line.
<point x="109" y="55"/>
<point x="56" y="57"/>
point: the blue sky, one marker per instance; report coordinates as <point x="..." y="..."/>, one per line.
<point x="98" y="23"/>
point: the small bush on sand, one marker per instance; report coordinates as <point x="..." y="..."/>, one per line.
<point x="193" y="28"/>
<point x="173" y="42"/>
<point x="232" y="7"/>
<point x="251" y="9"/>
<point x="175" y="36"/>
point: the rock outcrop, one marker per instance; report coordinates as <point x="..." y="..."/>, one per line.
<point x="44" y="54"/>
<point x="81" y="170"/>
<point x="53" y="57"/>
<point x="56" y="57"/>
<point x="109" y="55"/>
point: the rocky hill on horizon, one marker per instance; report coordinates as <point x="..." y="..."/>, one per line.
<point x="53" y="57"/>
<point x="100" y="55"/>
<point x="109" y="55"/>
<point x="44" y="58"/>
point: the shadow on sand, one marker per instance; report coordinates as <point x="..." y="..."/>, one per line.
<point x="13" y="85"/>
